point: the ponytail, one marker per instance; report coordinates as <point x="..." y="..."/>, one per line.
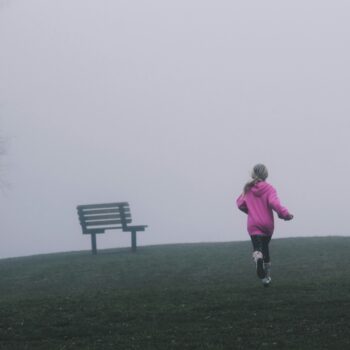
<point x="248" y="186"/>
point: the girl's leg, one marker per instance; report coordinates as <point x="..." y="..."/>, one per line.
<point x="267" y="262"/>
<point x="265" y="240"/>
<point x="258" y="255"/>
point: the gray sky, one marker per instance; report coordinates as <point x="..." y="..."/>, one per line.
<point x="168" y="105"/>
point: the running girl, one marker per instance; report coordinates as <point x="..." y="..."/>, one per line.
<point x="258" y="200"/>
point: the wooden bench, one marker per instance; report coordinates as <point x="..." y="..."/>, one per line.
<point x="97" y="218"/>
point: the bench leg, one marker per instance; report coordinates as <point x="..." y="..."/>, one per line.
<point x="133" y="241"/>
<point x="93" y="244"/>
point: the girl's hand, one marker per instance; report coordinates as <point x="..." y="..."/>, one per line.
<point x="289" y="217"/>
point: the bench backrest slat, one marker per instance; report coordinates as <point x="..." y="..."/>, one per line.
<point x="106" y="222"/>
<point x="104" y="217"/>
<point x="103" y="211"/>
<point x="106" y="205"/>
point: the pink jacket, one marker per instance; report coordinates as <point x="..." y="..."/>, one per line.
<point x="258" y="203"/>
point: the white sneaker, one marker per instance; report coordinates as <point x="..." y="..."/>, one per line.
<point x="257" y="255"/>
<point x="266" y="281"/>
<point x="258" y="259"/>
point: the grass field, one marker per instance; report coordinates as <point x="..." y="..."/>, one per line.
<point x="193" y="296"/>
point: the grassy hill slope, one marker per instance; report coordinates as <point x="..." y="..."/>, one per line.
<point x="193" y="296"/>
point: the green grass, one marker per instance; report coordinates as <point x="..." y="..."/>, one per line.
<point x="193" y="296"/>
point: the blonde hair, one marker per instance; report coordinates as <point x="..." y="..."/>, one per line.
<point x="259" y="173"/>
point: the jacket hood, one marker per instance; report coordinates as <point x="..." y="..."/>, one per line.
<point x="260" y="188"/>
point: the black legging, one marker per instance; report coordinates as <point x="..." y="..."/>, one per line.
<point x="261" y="244"/>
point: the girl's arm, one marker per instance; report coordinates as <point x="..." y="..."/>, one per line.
<point x="275" y="204"/>
<point x="241" y="203"/>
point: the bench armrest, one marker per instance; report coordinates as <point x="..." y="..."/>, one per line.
<point x="135" y="228"/>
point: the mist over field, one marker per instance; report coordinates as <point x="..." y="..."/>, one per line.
<point x="168" y="105"/>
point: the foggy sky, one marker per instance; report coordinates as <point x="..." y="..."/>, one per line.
<point x="168" y="105"/>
